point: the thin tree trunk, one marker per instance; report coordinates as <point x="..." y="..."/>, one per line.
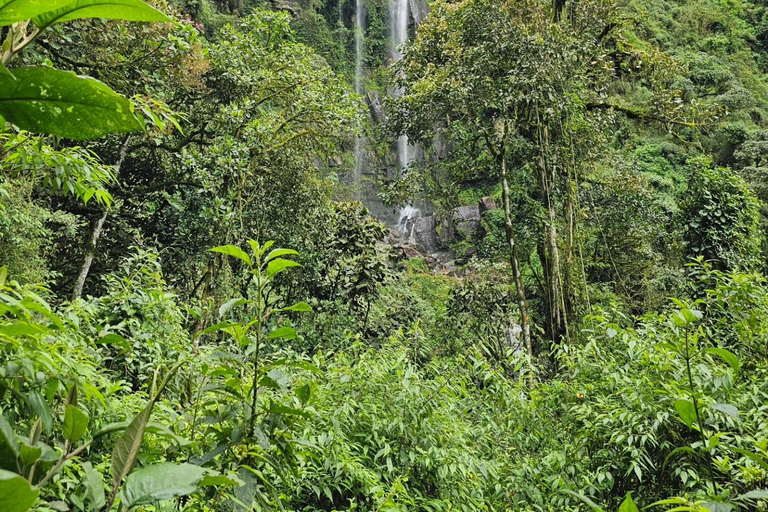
<point x="525" y="323"/>
<point x="90" y="252"/>
<point x="552" y="267"/>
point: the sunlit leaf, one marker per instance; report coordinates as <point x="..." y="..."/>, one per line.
<point x="50" y="101"/>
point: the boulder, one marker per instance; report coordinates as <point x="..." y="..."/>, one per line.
<point x="466" y="221"/>
<point x="486" y="204"/>
<point x="424" y="235"/>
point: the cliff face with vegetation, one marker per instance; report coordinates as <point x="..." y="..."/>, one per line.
<point x="197" y="313"/>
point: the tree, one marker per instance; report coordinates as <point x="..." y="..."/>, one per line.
<point x="514" y="76"/>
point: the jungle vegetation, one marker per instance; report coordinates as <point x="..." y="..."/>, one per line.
<point x="194" y="315"/>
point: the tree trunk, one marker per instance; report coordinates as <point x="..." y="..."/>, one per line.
<point x="90" y="252"/>
<point x="552" y="267"/>
<point x="525" y="323"/>
<point x="98" y="224"/>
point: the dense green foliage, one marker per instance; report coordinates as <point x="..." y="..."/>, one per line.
<point x="192" y="318"/>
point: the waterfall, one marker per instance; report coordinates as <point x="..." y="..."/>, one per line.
<point x="399" y="16"/>
<point x="359" y="56"/>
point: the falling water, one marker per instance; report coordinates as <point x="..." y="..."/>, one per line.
<point x="399" y="16"/>
<point x="359" y="55"/>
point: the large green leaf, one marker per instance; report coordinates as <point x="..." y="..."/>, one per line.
<point x="9" y="445"/>
<point x="12" y="11"/>
<point x="687" y="411"/>
<point x="127" y="448"/>
<point x="628" y="505"/>
<point x="160" y="482"/>
<point x="235" y="251"/>
<point x="54" y="102"/>
<point x="17" y="494"/>
<point x="129" y="10"/>
<point x="726" y="355"/>
<point x="75" y="424"/>
<point x="94" y="488"/>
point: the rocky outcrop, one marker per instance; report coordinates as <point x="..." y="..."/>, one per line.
<point x="466" y="221"/>
<point x="419" y="10"/>
<point x="376" y="107"/>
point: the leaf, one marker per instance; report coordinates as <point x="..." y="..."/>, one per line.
<point x="17" y="494"/>
<point x="75" y="424"/>
<point x="757" y="494"/>
<point x="628" y="505"/>
<point x="29" y="454"/>
<point x="304" y="393"/>
<point x="583" y="498"/>
<point x="45" y="100"/>
<point x="40" y="407"/>
<point x="277" y="253"/>
<point x="234" y="251"/>
<point x="9" y="446"/>
<point x="687" y="411"/>
<point x="71" y="398"/>
<point x="726" y="355"/>
<point x="752" y="456"/>
<point x="230" y="304"/>
<point x="726" y="409"/>
<point x="716" y="506"/>
<point x="221" y="480"/>
<point x="277" y="266"/>
<point x="300" y="307"/>
<point x="286" y="333"/>
<point x="160" y="482"/>
<point x="127" y="447"/>
<point x="128" y="10"/>
<point x="12" y="11"/>
<point x="214" y="328"/>
<point x="94" y="488"/>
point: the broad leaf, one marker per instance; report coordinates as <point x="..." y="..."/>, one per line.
<point x="757" y="494"/>
<point x="234" y="251"/>
<point x="40" y="406"/>
<point x="727" y="409"/>
<point x="12" y="11"/>
<point x="17" y="494"/>
<point x="45" y="100"/>
<point x="127" y="448"/>
<point x="9" y="445"/>
<point x="726" y="355"/>
<point x="286" y="333"/>
<point x="160" y="482"/>
<point x="687" y="411"/>
<point x="29" y="454"/>
<point x="94" y="488"/>
<point x="276" y="266"/>
<point x="75" y="424"/>
<point x="276" y="253"/>
<point x="628" y="505"/>
<point x="299" y="306"/>
<point x="128" y="10"/>
<point x="230" y="304"/>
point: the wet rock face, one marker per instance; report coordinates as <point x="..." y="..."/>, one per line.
<point x="424" y="234"/>
<point x="419" y="10"/>
<point x="375" y="106"/>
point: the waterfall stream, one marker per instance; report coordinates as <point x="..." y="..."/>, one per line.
<point x="359" y="56"/>
<point x="399" y="16"/>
